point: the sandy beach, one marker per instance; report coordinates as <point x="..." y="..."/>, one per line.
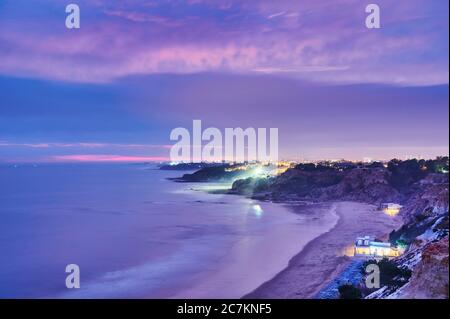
<point x="323" y="258"/>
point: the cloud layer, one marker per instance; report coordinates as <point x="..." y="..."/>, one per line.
<point x="324" y="41"/>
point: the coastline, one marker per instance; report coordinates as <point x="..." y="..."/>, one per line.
<point x="323" y="258"/>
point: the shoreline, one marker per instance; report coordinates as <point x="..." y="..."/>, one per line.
<point x="322" y="259"/>
<point x="286" y="228"/>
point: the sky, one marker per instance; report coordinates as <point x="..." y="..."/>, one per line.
<point x="115" y="88"/>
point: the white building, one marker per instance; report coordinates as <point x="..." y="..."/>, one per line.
<point x="366" y="246"/>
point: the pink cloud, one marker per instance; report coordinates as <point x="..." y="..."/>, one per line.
<point x="85" y="145"/>
<point x="32" y="145"/>
<point x="324" y="41"/>
<point x="106" y="158"/>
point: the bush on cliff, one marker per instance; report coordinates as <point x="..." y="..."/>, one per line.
<point x="349" y="292"/>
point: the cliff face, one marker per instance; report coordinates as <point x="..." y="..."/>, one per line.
<point x="430" y="276"/>
<point x="369" y="185"/>
<point x="364" y="185"/>
<point x="428" y="198"/>
<point x="426" y="206"/>
<point x="427" y="255"/>
<point x="298" y="183"/>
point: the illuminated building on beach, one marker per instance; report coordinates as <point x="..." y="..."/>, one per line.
<point x="366" y="246"/>
<point x="390" y="209"/>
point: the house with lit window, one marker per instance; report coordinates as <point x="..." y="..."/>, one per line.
<point x="367" y="246"/>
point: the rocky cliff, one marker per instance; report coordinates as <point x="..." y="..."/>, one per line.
<point x="430" y="276"/>
<point x="428" y="259"/>
<point x="426" y="233"/>
<point x="371" y="185"/>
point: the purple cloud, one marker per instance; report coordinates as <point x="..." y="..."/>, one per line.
<point x="326" y="41"/>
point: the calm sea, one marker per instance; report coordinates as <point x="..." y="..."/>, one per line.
<point x="135" y="234"/>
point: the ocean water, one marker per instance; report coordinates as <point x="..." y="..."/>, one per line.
<point x="136" y="234"/>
